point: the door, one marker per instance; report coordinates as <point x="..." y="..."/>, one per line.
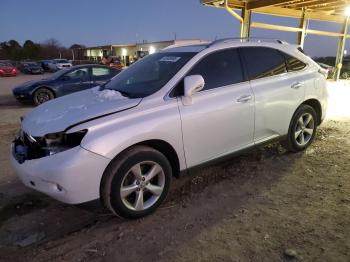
<point x="278" y="90"/>
<point x="75" y="80"/>
<point x="100" y="75"/>
<point x="221" y="118"/>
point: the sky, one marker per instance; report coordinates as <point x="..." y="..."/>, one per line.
<point x="98" y="22"/>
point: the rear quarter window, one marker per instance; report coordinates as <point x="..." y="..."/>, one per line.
<point x="293" y="63"/>
<point x="100" y="71"/>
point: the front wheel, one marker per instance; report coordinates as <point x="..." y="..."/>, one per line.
<point x="42" y="95"/>
<point x="302" y="129"/>
<point x="136" y="182"/>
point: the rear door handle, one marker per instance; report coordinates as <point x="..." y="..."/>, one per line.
<point x="297" y="85"/>
<point x="244" y="99"/>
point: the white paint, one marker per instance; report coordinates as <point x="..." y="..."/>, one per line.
<point x="220" y="121"/>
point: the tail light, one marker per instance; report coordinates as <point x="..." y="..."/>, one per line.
<point x="2" y="71"/>
<point x="14" y="70"/>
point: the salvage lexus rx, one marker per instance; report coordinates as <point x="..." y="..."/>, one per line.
<point x="123" y="141"/>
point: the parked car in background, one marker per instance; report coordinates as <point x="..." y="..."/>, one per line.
<point x="64" y="82"/>
<point x="116" y="64"/>
<point x="174" y="110"/>
<point x="330" y="69"/>
<point x="58" y="64"/>
<point x="112" y="61"/>
<point x="345" y="71"/>
<point x="45" y="64"/>
<point x="7" y="69"/>
<point x="30" y="68"/>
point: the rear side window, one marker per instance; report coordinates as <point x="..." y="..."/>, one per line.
<point x="263" y="62"/>
<point x="294" y="64"/>
<point x="100" y="71"/>
<point x="219" y="69"/>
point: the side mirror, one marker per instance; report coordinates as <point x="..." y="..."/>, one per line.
<point x="192" y="85"/>
<point x="65" y="78"/>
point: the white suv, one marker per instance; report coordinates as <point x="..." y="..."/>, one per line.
<point x="171" y="111"/>
<point x="58" y="64"/>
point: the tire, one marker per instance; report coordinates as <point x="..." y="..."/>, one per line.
<point x="125" y="188"/>
<point x="302" y="129"/>
<point x="42" y="95"/>
<point x="345" y="75"/>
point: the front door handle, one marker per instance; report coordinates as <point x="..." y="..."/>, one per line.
<point x="297" y="85"/>
<point x="244" y="99"/>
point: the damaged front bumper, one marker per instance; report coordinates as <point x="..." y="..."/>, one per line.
<point x="72" y="176"/>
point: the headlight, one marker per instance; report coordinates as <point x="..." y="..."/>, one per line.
<point x="58" y="142"/>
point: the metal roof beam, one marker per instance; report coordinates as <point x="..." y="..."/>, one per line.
<point x="258" y="3"/>
<point x="313" y="3"/>
<point x="287" y="12"/>
<point x="297" y="29"/>
<point x="281" y="11"/>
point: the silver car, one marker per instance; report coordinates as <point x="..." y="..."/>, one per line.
<point x="171" y="111"/>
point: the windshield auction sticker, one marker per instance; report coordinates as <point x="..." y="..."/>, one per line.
<point x="172" y="59"/>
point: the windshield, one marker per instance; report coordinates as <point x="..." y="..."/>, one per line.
<point x="149" y="75"/>
<point x="61" y="61"/>
<point x="30" y="64"/>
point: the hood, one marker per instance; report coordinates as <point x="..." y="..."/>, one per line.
<point x="33" y="66"/>
<point x="7" y="68"/>
<point x="59" y="114"/>
<point x="33" y="83"/>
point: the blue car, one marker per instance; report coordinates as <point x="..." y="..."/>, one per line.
<point x="30" y="68"/>
<point x="64" y="82"/>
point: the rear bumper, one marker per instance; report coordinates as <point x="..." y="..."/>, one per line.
<point x="72" y="176"/>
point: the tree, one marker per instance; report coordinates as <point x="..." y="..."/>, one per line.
<point x="50" y="49"/>
<point x="77" y="54"/>
<point x="12" y="50"/>
<point x="76" y="46"/>
<point x="31" y="50"/>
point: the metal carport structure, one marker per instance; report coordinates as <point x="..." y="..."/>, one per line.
<point x="337" y="11"/>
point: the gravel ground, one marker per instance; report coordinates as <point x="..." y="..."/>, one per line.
<point x="267" y="205"/>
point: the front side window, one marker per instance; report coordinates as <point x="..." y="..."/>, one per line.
<point x="150" y="74"/>
<point x="263" y="62"/>
<point x="219" y="69"/>
<point x="80" y="73"/>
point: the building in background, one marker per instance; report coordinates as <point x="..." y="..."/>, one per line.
<point x="128" y="53"/>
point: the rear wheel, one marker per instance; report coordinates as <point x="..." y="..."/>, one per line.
<point x="345" y="75"/>
<point x="136" y="182"/>
<point x="302" y="129"/>
<point x="43" y="95"/>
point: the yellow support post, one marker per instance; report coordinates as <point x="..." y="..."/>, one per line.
<point x="341" y="49"/>
<point x="246" y="24"/>
<point x="303" y="26"/>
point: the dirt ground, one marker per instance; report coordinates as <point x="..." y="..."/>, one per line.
<point x="266" y="205"/>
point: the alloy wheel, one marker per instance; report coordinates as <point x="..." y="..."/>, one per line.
<point x="43" y="97"/>
<point x="304" y="129"/>
<point x="142" y="186"/>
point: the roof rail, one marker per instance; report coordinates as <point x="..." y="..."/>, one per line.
<point x="247" y="39"/>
